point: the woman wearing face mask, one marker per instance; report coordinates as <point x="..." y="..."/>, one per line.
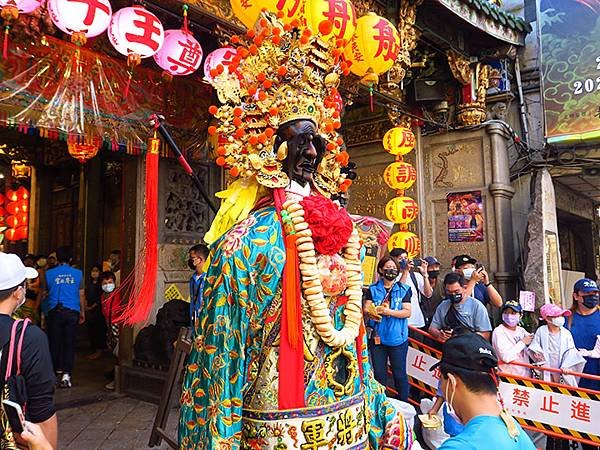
<point x="553" y="346"/>
<point x="387" y="305"/>
<point x="510" y="341"/>
<point x="110" y="301"/>
<point x="93" y="311"/>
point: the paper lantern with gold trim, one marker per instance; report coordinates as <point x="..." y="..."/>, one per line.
<point x="399" y="141"/>
<point x="340" y="13"/>
<point x="374" y="46"/>
<point x="406" y="240"/>
<point x="402" y="210"/>
<point x="400" y="175"/>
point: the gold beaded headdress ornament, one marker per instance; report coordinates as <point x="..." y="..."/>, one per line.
<point x="280" y="73"/>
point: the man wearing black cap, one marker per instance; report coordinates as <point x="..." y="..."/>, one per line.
<point x="468" y="369"/>
<point x="480" y="286"/>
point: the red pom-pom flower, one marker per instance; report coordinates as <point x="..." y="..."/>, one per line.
<point x="331" y="225"/>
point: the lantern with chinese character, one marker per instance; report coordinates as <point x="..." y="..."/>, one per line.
<point x="400" y="175"/>
<point x="81" y="19"/>
<point x="406" y="240"/>
<point x="181" y="53"/>
<point x="247" y="11"/>
<point x="340" y="13"/>
<point x="136" y="33"/>
<point x="374" y="46"/>
<point x="82" y="152"/>
<point x="221" y="56"/>
<point x="402" y="210"/>
<point x="399" y="141"/>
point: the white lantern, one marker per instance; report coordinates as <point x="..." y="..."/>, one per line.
<point x="222" y="56"/>
<point x="136" y="31"/>
<point x="90" y="17"/>
<point x="24" y="6"/>
<point x="180" y="54"/>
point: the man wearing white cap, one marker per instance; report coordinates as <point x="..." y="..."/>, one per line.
<point x="36" y="363"/>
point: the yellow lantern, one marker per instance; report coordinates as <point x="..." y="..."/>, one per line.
<point x="375" y="46"/>
<point x="402" y="210"/>
<point x="248" y="10"/>
<point x="399" y="141"/>
<point x="406" y="240"/>
<point x="340" y="13"/>
<point x="82" y="152"/>
<point x="400" y="175"/>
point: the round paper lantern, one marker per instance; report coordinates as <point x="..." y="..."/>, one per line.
<point x="2" y="198"/>
<point x="12" y="208"/>
<point x="2" y="214"/>
<point x="400" y="175"/>
<point x="402" y="210"/>
<point x="399" y="141"/>
<point x="24" y="205"/>
<point x="21" y="233"/>
<point x="22" y="193"/>
<point x="374" y="46"/>
<point x="247" y="11"/>
<point x="12" y="221"/>
<point x="22" y="219"/>
<point x="222" y="56"/>
<point x="90" y="17"/>
<point x="406" y="240"/>
<point x="10" y="234"/>
<point x="11" y="196"/>
<point x="340" y="13"/>
<point x="136" y="31"/>
<point x="24" y="6"/>
<point x="180" y="54"/>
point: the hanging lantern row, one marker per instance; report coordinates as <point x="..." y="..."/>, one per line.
<point x="400" y="176"/>
<point x="14" y="214"/>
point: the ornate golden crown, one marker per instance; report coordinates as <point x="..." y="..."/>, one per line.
<point x="280" y="73"/>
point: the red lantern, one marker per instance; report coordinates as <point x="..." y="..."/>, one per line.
<point x="2" y="213"/>
<point x="12" y="208"/>
<point x="22" y="193"/>
<point x="24" y="206"/>
<point x="12" y="221"/>
<point x="21" y="233"/>
<point x="10" y="234"/>
<point x="11" y="196"/>
<point x="2" y="198"/>
<point x="22" y="219"/>
<point x="181" y="53"/>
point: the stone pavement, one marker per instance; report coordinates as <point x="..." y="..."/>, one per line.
<point x="122" y="423"/>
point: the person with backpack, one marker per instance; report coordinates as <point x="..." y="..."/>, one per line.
<point x="459" y="311"/>
<point x="25" y="362"/>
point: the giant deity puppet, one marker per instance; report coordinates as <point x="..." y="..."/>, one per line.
<point x="279" y="357"/>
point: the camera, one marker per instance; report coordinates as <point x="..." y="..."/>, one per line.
<point x="417" y="262"/>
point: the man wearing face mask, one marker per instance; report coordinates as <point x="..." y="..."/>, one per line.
<point x="437" y="287"/>
<point x="585" y="326"/>
<point x="510" y="340"/>
<point x="459" y="311"/>
<point x="479" y="286"/>
<point x="36" y="363"/>
<point x="468" y="368"/>
<point x="198" y="254"/>
<point x="110" y="301"/>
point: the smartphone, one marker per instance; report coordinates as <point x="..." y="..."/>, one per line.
<point x="15" y="416"/>
<point x="479" y="267"/>
<point x="403" y="264"/>
<point x="417" y="262"/>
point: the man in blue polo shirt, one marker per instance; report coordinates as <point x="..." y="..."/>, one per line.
<point x="64" y="307"/>
<point x="198" y="254"/>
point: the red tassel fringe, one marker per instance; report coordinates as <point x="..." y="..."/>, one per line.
<point x="5" y="44"/>
<point x="140" y="286"/>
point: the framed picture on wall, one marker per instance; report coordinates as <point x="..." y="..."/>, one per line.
<point x="465" y="217"/>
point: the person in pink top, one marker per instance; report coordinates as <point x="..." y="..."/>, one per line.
<point x="511" y="341"/>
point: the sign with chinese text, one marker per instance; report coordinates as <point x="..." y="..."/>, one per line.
<point x="465" y="217"/>
<point x="527" y="300"/>
<point x="570" y="52"/>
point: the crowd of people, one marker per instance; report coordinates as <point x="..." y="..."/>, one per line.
<point x="411" y="293"/>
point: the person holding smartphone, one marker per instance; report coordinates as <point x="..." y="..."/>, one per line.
<point x="387" y="306"/>
<point x="479" y="285"/>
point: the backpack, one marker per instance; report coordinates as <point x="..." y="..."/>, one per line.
<point x="14" y="387"/>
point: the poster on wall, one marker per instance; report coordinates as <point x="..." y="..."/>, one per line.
<point x="570" y="57"/>
<point x="465" y="217"/>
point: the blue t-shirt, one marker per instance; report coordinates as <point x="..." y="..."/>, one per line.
<point x="480" y="293"/>
<point x="451" y="426"/>
<point x="584" y="330"/>
<point x="391" y="330"/>
<point x="487" y="432"/>
<point x="471" y="313"/>
<point x="63" y="283"/>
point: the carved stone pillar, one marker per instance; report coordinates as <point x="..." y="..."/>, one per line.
<point x="502" y="192"/>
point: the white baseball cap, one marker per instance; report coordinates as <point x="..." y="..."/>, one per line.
<point x="13" y="272"/>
